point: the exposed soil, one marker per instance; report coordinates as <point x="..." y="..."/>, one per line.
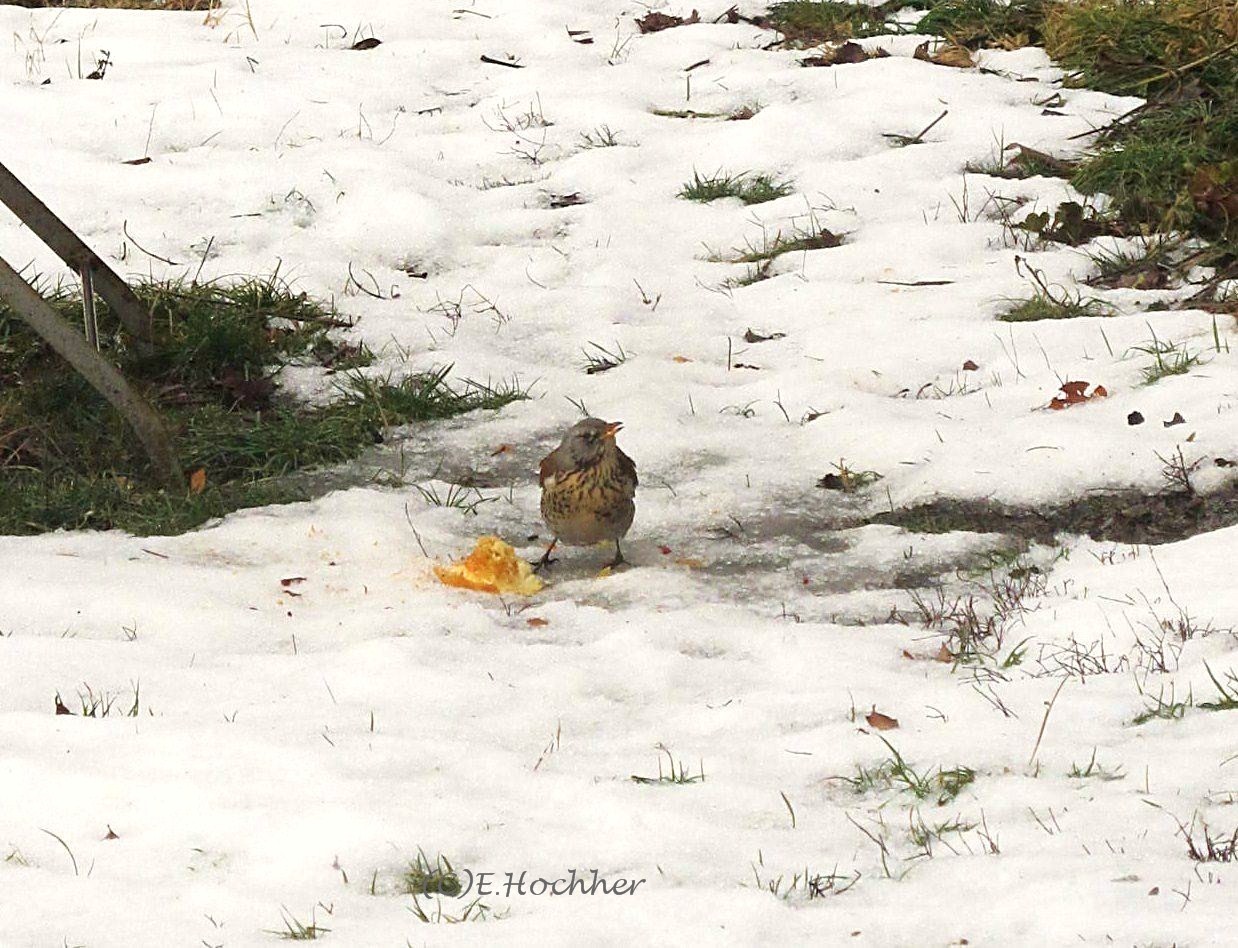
<point x="1123" y="517"/>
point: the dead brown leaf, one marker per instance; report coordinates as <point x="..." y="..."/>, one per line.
<point x="656" y="22"/>
<point x="958" y="57"/>
<point x="879" y="721"/>
<point x="848" y="52"/>
<point x="1076" y="393"/>
<point x="197" y="481"/>
<point x="537" y="622"/>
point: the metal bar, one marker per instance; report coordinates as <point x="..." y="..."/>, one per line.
<point x="89" y="316"/>
<point x="69" y="247"/>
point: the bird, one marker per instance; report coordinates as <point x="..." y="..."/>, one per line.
<point x="588" y="489"/>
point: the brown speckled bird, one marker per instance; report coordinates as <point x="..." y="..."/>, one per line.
<point x="588" y="486"/>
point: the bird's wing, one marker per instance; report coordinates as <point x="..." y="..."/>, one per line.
<point x="550" y="468"/>
<point x="628" y="466"/>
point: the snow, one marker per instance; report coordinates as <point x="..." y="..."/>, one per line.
<point x="352" y="717"/>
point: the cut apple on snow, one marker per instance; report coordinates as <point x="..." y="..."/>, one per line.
<point x="492" y="567"/>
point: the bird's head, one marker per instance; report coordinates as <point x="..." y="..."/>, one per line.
<point x="587" y="442"/>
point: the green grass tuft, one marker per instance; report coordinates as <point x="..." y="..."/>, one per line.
<point x="426" y="877"/>
<point x="1168" y="358"/>
<point x="811" y="22"/>
<point x="980" y="23"/>
<point x="1142" y="47"/>
<point x="749" y="188"/>
<point x="1063" y="305"/>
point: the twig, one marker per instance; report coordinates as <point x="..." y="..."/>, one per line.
<point x="1177" y="73"/>
<point x="125" y="229"/>
<point x="500" y="62"/>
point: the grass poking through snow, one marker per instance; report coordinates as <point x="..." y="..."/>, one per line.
<point x="431" y="877"/>
<point x="676" y="772"/>
<point x="749" y="188"/>
<point x="1168" y="358"/>
<point x="68" y="460"/>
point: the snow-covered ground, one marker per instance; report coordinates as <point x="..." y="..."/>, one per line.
<point x="298" y="742"/>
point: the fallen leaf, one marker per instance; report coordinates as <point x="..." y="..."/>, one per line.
<point x="1177" y="419"/>
<point x="656" y="22"/>
<point x="665" y="550"/>
<point x="681" y="359"/>
<point x="501" y="449"/>
<point x="845" y="54"/>
<point x="958" y="57"/>
<point x="908" y="655"/>
<point x="1075" y="393"/>
<point x="1214" y="189"/>
<point x="882" y="722"/>
<point x="1134" y="418"/>
<point x="566" y="200"/>
<point x="970" y="366"/>
<point x="137" y="161"/>
<point x="197" y="481"/>
<point x="943" y="655"/>
<point x="291" y="580"/>
<point x="851" y="53"/>
<point x="60" y="708"/>
<point x="111" y="834"/>
<point x="537" y="622"/>
<point x="948" y="55"/>
<point x="368" y="43"/>
<point x="751" y="336"/>
<point x="1224" y="462"/>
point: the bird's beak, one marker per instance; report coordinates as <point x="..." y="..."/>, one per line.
<point x="612" y="429"/>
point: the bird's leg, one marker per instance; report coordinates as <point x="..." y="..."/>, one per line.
<point x="618" y="560"/>
<point x="545" y="562"/>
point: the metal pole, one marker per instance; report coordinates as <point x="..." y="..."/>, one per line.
<point x="88" y="309"/>
<point x="69" y="247"/>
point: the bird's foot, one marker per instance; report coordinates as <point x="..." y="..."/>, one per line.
<point x="544" y="563"/>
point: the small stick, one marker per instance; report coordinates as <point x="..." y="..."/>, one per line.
<point x="501" y="62"/>
<point x="929" y="127"/>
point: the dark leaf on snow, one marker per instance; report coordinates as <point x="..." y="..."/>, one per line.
<point x="656" y="22"/>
